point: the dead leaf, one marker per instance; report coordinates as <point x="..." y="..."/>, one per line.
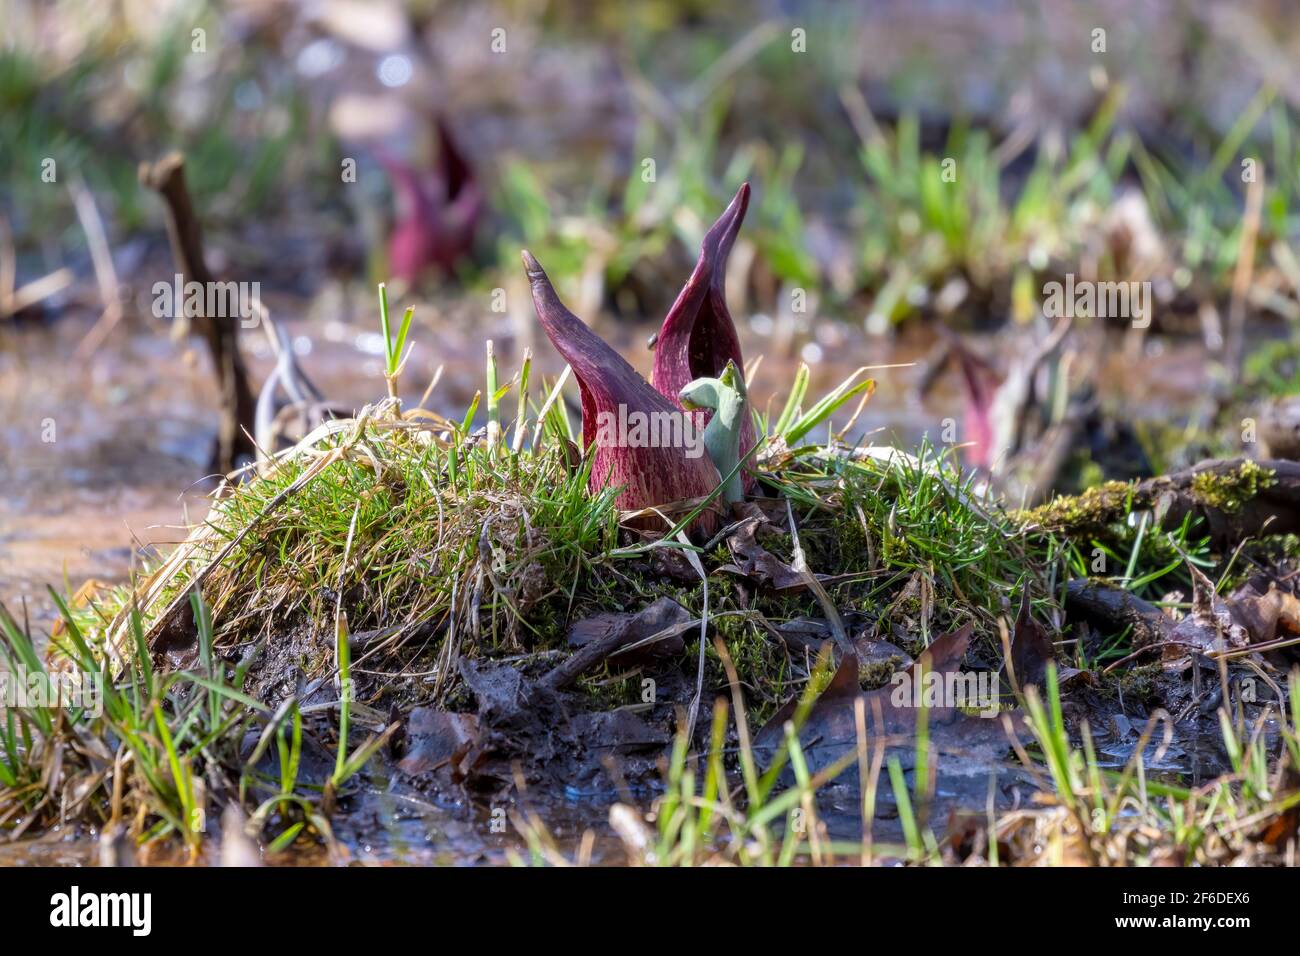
<point x="437" y="738"/>
<point x="1256" y="613"/>
<point x="663" y="617"/>
<point x="752" y="560"/>
<point x="1208" y="626"/>
<point x="525" y="724"/>
<point x="1031" y="648"/>
<point x="808" y="634"/>
<point x="973" y="743"/>
<point x="654" y="631"/>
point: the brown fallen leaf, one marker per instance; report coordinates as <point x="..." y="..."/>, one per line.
<point x="437" y="738"/>
<point x="526" y="724"/>
<point x="1255" y="615"/>
<point x="753" y="561"/>
<point x="654" y="631"/>
<point x="1270" y="613"/>
<point x="973" y="743"/>
<point x="1032" y="651"/>
<point x="662" y="617"/>
<point x="1285" y="826"/>
<point x="808" y="634"/>
<point x="1031" y="648"/>
<point x="1208" y="626"/>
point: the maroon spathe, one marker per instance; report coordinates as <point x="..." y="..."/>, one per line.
<point x="698" y="337"/>
<point x="647" y="475"/>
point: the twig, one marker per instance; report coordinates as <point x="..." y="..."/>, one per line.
<point x="167" y="178"/>
<point x="105" y="272"/>
<point x="1117" y="609"/>
<point x="860" y="115"/>
<point x="8" y="265"/>
<point x="36" y="290"/>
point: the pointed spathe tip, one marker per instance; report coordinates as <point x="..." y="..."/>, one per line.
<point x="739" y="204"/>
<point x="531" y="265"/>
<point x="718" y="240"/>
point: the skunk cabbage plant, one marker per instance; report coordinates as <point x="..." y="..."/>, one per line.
<point x="979" y="388"/>
<point x="698" y="377"/>
<point x="438" y="211"/>
<point x="698" y="337"/>
<point x="726" y="398"/>
<point x="997" y="408"/>
<point x="616" y="403"/>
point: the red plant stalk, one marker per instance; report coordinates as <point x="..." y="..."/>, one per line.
<point x="979" y="387"/>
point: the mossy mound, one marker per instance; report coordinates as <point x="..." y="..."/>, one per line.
<point x="432" y="546"/>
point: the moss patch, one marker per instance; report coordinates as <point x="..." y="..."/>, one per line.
<point x="1091" y="510"/>
<point x="1229" y="492"/>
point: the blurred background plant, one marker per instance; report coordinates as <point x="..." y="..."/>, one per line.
<point x="605" y="147"/>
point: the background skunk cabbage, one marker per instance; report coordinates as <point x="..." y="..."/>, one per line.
<point x="654" y="475"/>
<point x="438" y="211"/>
<point x="698" y="337"/>
<point x="979" y="387"/>
<point x="999" y="407"/>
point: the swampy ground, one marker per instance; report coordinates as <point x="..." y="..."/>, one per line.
<point x="423" y="634"/>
